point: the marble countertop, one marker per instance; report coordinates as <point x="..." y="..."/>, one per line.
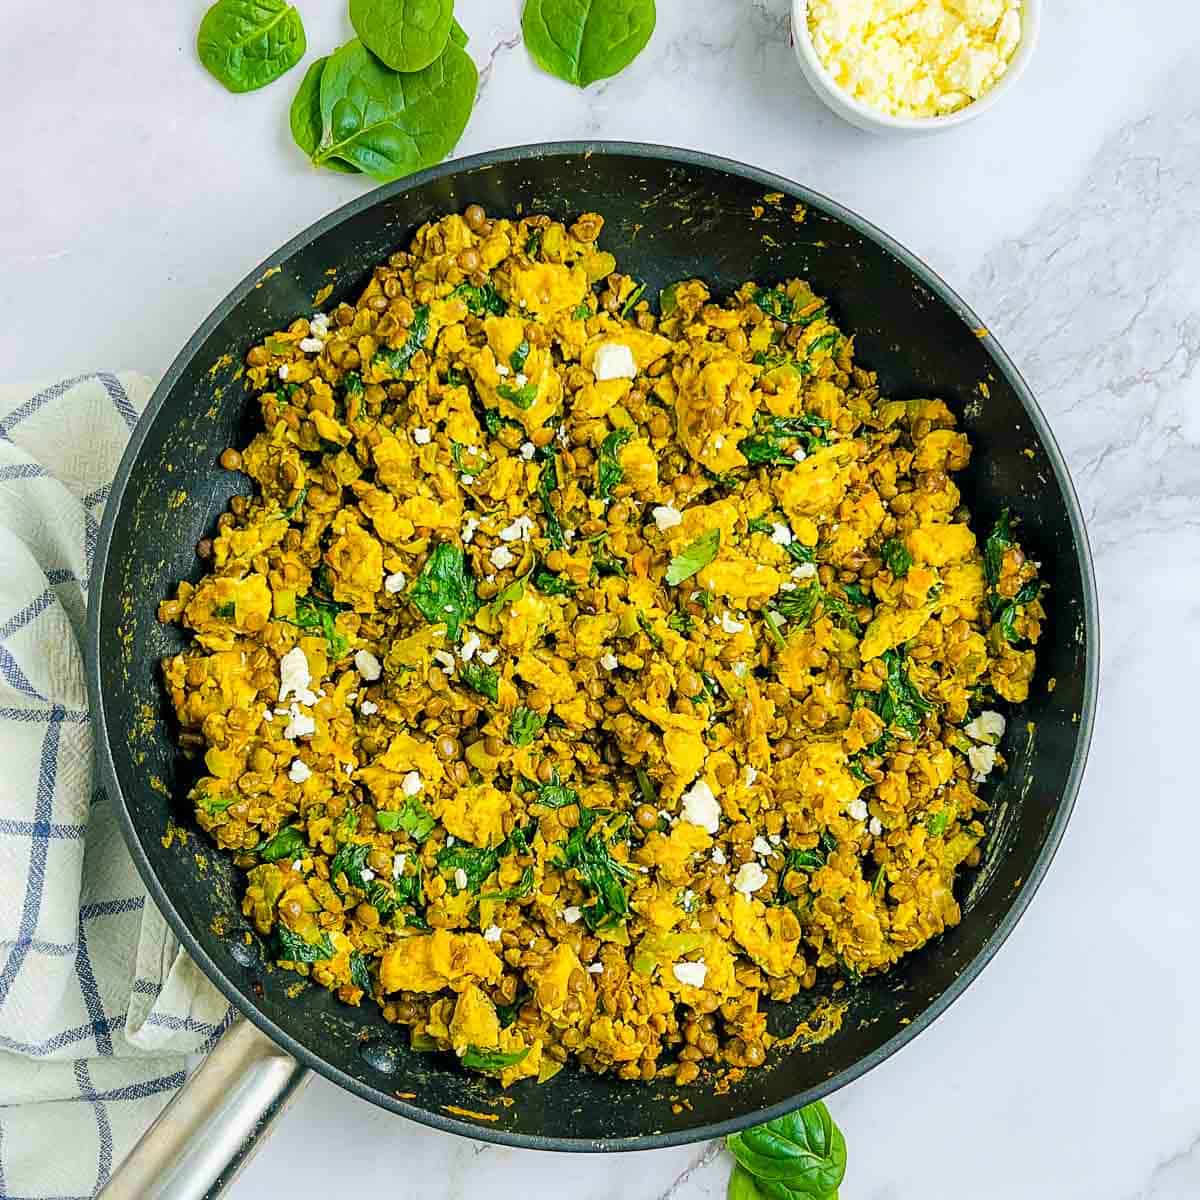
<point x="136" y="192"/>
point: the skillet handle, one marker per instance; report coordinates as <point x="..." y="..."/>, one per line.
<point x="210" y="1130"/>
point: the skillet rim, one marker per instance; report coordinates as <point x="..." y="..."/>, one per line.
<point x="1021" y="898"/>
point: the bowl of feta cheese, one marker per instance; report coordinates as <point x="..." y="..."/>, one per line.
<point x="899" y="66"/>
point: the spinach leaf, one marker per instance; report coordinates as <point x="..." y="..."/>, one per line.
<point x="548" y="483"/>
<point x="481" y="678"/>
<point x="694" y="556"/>
<point x="896" y="557"/>
<point x="606" y="563"/>
<point x="767" y="444"/>
<point x="998" y="542"/>
<point x="414" y="819"/>
<point x="582" y="312"/>
<point x="316" y="615"/>
<point x="800" y="604"/>
<point x="667" y="298"/>
<point x="648" y="629"/>
<point x="482" y="300"/>
<point x="524" y="726"/>
<point x="646" y="787"/>
<point x="555" y="794"/>
<point x="533" y="246"/>
<point x="800" y="552"/>
<point x="305" y="120"/>
<point x="389" y="124"/>
<point x="288" y="844"/>
<point x="839" y="610"/>
<point x="899" y="702"/>
<point x="444" y="591"/>
<point x="935" y="823"/>
<point x="519" y="357"/>
<point x="523" y="397"/>
<point x="293" y="948"/>
<point x="681" y="622"/>
<point x="476" y="863"/>
<point x="351" y="861"/>
<point x="406" y="34"/>
<point x="827" y="341"/>
<point x="581" y="41"/>
<point x="632" y="299"/>
<point x="291" y="511"/>
<point x="396" y="361"/>
<point x="856" y="594"/>
<point x="800" y="1156"/>
<point x="457" y="451"/>
<point x="247" y="44"/>
<point x="522" y="888"/>
<point x="458" y="35"/>
<point x="360" y="974"/>
<point x="224" y="612"/>
<point x="743" y="1187"/>
<point x="550" y="584"/>
<point x="491" y="1060"/>
<point x="609" y="471"/>
<point x="599" y="872"/>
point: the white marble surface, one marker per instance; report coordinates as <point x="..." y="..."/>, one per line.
<point x="135" y="193"/>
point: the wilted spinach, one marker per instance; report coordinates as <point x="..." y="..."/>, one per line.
<point x="444" y="591"/>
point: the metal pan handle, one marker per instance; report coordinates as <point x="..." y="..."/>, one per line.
<point x="209" y="1132"/>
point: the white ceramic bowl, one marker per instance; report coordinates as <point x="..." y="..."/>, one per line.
<point x="874" y="121"/>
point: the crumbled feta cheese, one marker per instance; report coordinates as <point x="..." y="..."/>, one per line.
<point x="298" y="772"/>
<point x="471" y="643"/>
<point x="700" y="807"/>
<point x="614" y="360"/>
<point x="502" y="370"/>
<point x="491" y="933"/>
<point x="444" y="658"/>
<point x="318" y="325"/>
<point x="718" y="856"/>
<point x="528" y="450"/>
<point x="312" y="345"/>
<point x="422" y="436"/>
<point x="300" y="725"/>
<point x="521" y="380"/>
<point x="572" y="913"/>
<point x="519" y="530"/>
<point x="501" y="557"/>
<point x="466" y="480"/>
<point x="368" y="666"/>
<point x="410" y="785"/>
<point x="798" y="455"/>
<point x="460" y="879"/>
<point x="297" y="863"/>
<point x="750" y="878"/>
<point x="749" y="775"/>
<point x="666" y="516"/>
<point x="268" y="715"/>
<point x="367" y="874"/>
<point x="987" y="727"/>
<point x="398" y="861"/>
<point x="690" y="974"/>
<point x="596" y="968"/>
<point x="688" y="900"/>
<point x="283" y="372"/>
<point x="875" y="827"/>
<point x="488" y="657"/>
<point x="368" y="708"/>
<point x="468" y="530"/>
<point x="781" y="535"/>
<point x="774" y="839"/>
<point x="760" y="845"/>
<point x="608" y="660"/>
<point x="804" y="571"/>
<point x="395" y="582"/>
<point x="982" y="760"/>
<point x="857" y="809"/>
<point x="294" y="677"/>
<point x="730" y="625"/>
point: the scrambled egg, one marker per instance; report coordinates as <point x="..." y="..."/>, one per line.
<point x="585" y="671"/>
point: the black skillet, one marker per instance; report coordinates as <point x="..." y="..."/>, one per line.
<point x="669" y="214"/>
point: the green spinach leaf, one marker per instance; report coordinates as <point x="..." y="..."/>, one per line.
<point x="458" y="35"/>
<point x="523" y="397"/>
<point x="444" y="591"/>
<point x="519" y="357"/>
<point x="555" y="794"/>
<point x="602" y="874"/>
<point x="316" y="615"/>
<point x="694" y="556"/>
<point x="293" y="948"/>
<point x="351" y="861"/>
<point x="550" y="584"/>
<point x="585" y="40"/>
<point x="522" y="888"/>
<point x="767" y="445"/>
<point x="406" y="34"/>
<point x="547" y="484"/>
<point x="360" y="974"/>
<point x="414" y="819"/>
<point x="800" y="604"/>
<point x="224" y="612"/>
<point x="935" y="823"/>
<point x="632" y="299"/>
<point x="305" y="119"/>
<point x="896" y="557"/>
<point x="481" y="678"/>
<point x="493" y="1061"/>
<point x="524" y="726"/>
<point x="287" y="844"/>
<point x="609" y="471"/>
<point x="801" y="1155"/>
<point x="899" y="702"/>
<point x="742" y="1186"/>
<point x="396" y="361"/>
<point x="247" y="44"/>
<point x="481" y="301"/>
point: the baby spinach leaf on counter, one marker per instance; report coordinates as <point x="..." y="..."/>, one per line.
<point x="305" y="119"/>
<point x="481" y="301"/>
<point x="581" y="41"/>
<point x="524" y="726"/>
<point x="632" y="299"/>
<point x="899" y="702"/>
<point x="602" y="874"/>
<point x="609" y="471"/>
<point x="444" y="591"/>
<point x="396" y="361"/>
<point x="293" y="948"/>
<point x="693" y="557"/>
<point x="316" y="615"/>
<point x="360" y="974"/>
<point x="406" y="34"/>
<point x="800" y="1156"/>
<point x="491" y="1060"/>
<point x="547" y="484"/>
<point x="458" y="35"/>
<point x="390" y="124"/>
<point x="351" y="861"/>
<point x="224" y="612"/>
<point x="550" y="584"/>
<point x="247" y="44"/>
<point x="523" y="397"/>
<point x="287" y="844"/>
<point x="742" y="1186"/>
<point x="896" y="557"/>
<point x="481" y="678"/>
<point x="519" y="357"/>
<point x="414" y="819"/>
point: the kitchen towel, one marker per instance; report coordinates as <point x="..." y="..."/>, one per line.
<point x="99" y="1006"/>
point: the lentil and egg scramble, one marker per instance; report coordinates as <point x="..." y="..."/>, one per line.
<point x="578" y="678"/>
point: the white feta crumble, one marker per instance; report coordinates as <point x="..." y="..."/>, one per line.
<point x="395" y="582"/>
<point x="300" y="725"/>
<point x="718" y="442"/>
<point x="422" y="436"/>
<point x="804" y="571"/>
<point x="982" y="760"/>
<point x="460" y="879"/>
<point x="491" y="933"/>
<point x="312" y="345"/>
<point x="596" y="968"/>
<point x="488" y="657"/>
<point x="781" y="535"/>
<point x="614" y="360"/>
<point x="298" y="772"/>
<point x="666" y="516"/>
<point x="294" y="677"/>
<point x="471" y="643"/>
<point x="857" y="809"/>
<point x="750" y="878"/>
<point x="521" y="380"/>
<point x="528" y="450"/>
<point x="297" y="863"/>
<point x="502" y="370"/>
<point x="729" y="625"/>
<point x="798" y="455"/>
<point x="876" y="827"/>
<point x="501" y="557"/>
<point x="518" y="531"/>
<point x="318" y="325"/>
<point x="368" y="708"/>
<point x="367" y="874"/>
<point x="572" y="913"/>
<point x="749" y="775"/>
<point x="466" y="480"/>
<point x="268" y="715"/>
<point x="740" y="669"/>
<point x="410" y="785"/>
<point x="760" y="845"/>
<point x="987" y="727"/>
<point x="690" y="974"/>
<point x="774" y="839"/>
<point x="398" y="861"/>
<point x="368" y="666"/>
<point x="718" y="856"/>
<point x="468" y="530"/>
<point x="444" y="659"/>
<point x="700" y="807"/>
<point x="688" y="900"/>
<point x="283" y="372"/>
<point x="608" y="660"/>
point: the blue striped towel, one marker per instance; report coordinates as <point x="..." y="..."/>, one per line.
<point x="99" y="1007"/>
